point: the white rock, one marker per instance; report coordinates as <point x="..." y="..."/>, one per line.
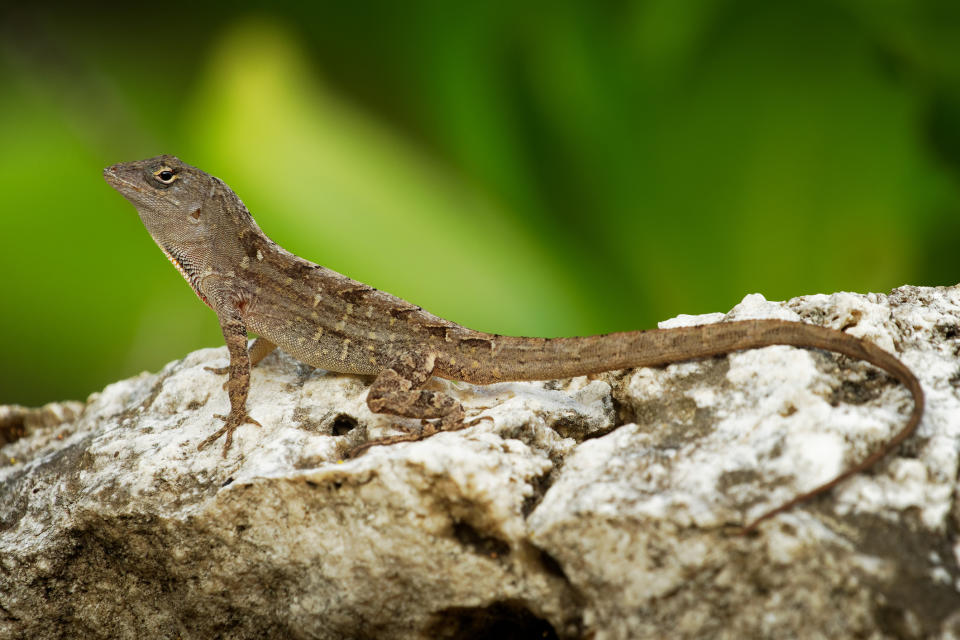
<point x="598" y="507"/>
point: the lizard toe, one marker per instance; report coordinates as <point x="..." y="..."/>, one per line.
<point x="218" y="370"/>
<point x="214" y="436"/>
<point x="478" y="420"/>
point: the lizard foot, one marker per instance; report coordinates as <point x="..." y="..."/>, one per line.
<point x="430" y="428"/>
<point x="360" y="448"/>
<point x="232" y="422"/>
<point x="455" y="423"/>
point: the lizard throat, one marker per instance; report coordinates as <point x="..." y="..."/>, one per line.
<point x="186" y="270"/>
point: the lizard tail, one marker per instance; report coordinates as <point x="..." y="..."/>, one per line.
<point x="526" y="358"/>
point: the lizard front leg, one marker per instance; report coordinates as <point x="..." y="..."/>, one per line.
<point x="238" y="385"/>
<point x="259" y="350"/>
<point x="397" y="390"/>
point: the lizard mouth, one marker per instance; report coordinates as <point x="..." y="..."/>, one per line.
<point x="115" y="180"/>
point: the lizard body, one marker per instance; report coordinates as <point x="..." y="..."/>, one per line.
<point x="327" y="320"/>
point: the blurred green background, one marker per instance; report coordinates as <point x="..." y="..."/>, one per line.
<point x="540" y="168"/>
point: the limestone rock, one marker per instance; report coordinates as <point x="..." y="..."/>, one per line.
<point x="595" y="507"/>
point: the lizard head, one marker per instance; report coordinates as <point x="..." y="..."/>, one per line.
<point x="183" y="208"/>
<point x="168" y="194"/>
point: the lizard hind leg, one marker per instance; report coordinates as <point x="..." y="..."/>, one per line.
<point x="397" y="391"/>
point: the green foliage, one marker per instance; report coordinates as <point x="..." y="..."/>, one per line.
<point x="533" y="168"/>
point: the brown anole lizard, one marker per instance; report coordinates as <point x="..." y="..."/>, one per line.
<point x="327" y="320"/>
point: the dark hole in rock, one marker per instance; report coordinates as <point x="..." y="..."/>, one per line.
<point x="501" y="620"/>
<point x="343" y="424"/>
<point x="483" y="544"/>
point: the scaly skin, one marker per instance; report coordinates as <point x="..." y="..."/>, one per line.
<point x="329" y="321"/>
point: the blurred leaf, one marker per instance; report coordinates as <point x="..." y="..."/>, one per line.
<point x="332" y="185"/>
<point x="539" y="168"/>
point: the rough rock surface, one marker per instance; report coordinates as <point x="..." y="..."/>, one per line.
<point x="588" y="507"/>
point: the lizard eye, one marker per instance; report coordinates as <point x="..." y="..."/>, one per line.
<point x="165" y="175"/>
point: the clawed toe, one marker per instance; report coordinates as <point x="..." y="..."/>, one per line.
<point x="216" y="435"/>
<point x="232" y="422"/>
<point x="218" y="370"/>
<point x="360" y="448"/>
<point x="478" y="420"/>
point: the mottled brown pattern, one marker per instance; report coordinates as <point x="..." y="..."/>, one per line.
<point x="250" y="243"/>
<point x="437" y="331"/>
<point x="328" y="320"/>
<point x="474" y="344"/>
<point x="399" y="312"/>
<point x="297" y="269"/>
<point x="354" y="295"/>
